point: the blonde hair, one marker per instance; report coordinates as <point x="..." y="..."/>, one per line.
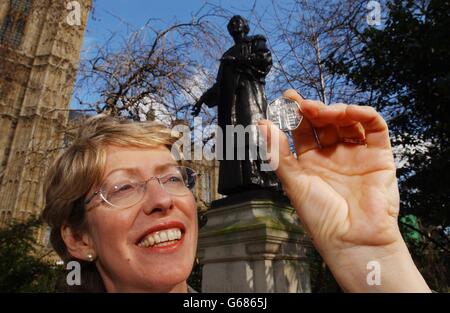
<point x="81" y="166"/>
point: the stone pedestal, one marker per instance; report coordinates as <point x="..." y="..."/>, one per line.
<point x="253" y="242"/>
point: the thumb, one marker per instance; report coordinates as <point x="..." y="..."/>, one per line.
<point x="295" y="183"/>
<point x="280" y="157"/>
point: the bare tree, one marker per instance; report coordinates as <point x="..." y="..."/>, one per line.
<point x="302" y="35"/>
<point x="151" y="72"/>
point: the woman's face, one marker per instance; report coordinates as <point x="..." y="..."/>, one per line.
<point x="124" y="239"/>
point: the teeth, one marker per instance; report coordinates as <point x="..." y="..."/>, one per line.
<point x="161" y="238"/>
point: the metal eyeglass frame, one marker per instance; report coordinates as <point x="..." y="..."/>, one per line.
<point x="144" y="184"/>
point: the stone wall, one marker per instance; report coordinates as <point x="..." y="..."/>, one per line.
<point x="36" y="85"/>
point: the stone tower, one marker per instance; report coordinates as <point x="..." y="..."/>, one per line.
<point x="40" y="42"/>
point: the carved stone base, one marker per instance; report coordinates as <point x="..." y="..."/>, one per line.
<point x="253" y="242"/>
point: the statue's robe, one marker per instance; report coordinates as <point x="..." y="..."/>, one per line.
<point x="239" y="93"/>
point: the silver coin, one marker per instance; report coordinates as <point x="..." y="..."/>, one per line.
<point x="284" y="113"/>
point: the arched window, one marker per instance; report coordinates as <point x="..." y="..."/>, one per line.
<point x="2" y="218"/>
<point x="46" y="240"/>
<point x="8" y="217"/>
<point x="13" y="26"/>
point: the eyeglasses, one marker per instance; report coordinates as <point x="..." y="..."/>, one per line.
<point x="126" y="192"/>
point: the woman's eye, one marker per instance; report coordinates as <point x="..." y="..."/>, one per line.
<point x="123" y="188"/>
<point x="174" y="179"/>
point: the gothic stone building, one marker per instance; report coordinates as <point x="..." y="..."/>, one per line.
<point x="40" y="42"/>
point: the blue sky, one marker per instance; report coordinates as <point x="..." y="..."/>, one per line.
<point x="116" y="15"/>
<point x="137" y="12"/>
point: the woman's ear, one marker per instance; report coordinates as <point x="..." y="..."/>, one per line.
<point x="78" y="245"/>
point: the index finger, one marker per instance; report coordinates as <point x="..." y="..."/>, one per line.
<point x="375" y="127"/>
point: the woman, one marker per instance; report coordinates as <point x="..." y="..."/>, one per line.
<point x="117" y="189"/>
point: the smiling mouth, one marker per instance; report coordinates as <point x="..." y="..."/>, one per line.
<point x="161" y="238"/>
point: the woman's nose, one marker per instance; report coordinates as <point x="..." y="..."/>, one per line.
<point x="156" y="198"/>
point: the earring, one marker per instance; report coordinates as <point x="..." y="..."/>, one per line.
<point x="90" y="257"/>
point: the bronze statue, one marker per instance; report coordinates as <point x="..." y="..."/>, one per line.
<point x="240" y="97"/>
